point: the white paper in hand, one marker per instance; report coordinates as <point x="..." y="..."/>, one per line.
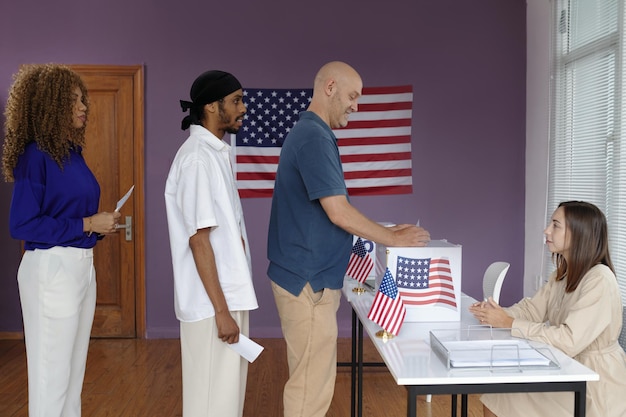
<point x="124" y="199"/>
<point x="248" y="349"/>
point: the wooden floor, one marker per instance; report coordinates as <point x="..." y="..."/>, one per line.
<point x="136" y="378"/>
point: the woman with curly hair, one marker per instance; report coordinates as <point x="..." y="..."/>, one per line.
<point x="579" y="311"/>
<point x="54" y="211"/>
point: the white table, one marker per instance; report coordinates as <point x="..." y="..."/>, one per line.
<point x="412" y="363"/>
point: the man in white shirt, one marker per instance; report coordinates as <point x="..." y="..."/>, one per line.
<point x="210" y="253"/>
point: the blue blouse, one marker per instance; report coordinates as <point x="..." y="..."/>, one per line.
<point x="49" y="203"/>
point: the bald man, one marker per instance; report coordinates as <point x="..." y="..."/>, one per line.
<point x="310" y="238"/>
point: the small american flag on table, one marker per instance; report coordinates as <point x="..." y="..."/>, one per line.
<point x="388" y="310"/>
<point x="361" y="262"/>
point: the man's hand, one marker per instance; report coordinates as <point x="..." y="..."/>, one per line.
<point x="409" y="235"/>
<point x="227" y="329"/>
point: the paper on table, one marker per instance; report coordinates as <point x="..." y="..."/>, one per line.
<point x="248" y="349"/>
<point x="494" y="353"/>
<point x="123" y="199"/>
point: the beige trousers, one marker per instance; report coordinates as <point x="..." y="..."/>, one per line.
<point x="214" y="375"/>
<point x="309" y="324"/>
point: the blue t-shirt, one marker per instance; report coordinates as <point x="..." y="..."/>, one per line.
<point x="49" y="203"/>
<point x="303" y="244"/>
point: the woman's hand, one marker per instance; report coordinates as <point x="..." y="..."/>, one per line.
<point x="102" y="223"/>
<point x="490" y="313"/>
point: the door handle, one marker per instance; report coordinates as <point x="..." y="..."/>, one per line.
<point x="129" y="228"/>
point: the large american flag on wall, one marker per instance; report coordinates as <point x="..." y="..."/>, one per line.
<point x="375" y="147"/>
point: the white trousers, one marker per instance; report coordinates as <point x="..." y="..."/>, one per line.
<point x="58" y="296"/>
<point x="214" y="375"/>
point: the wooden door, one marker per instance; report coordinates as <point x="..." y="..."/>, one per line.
<point x="114" y="152"/>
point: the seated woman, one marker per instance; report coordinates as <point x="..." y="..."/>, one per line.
<point x="579" y="311"/>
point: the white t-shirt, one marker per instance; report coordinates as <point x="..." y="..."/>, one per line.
<point x="201" y="192"/>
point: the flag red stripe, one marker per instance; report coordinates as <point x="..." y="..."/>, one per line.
<point x="428" y="302"/>
<point x="381" y="301"/>
<point x="373" y="140"/>
<point x="388" y="313"/>
<point x="442" y="285"/>
<point x="401" y="105"/>
<point x="371" y="157"/>
<point x="370" y="124"/>
<point x="246" y="176"/>
<point x="426" y="293"/>
<point x="385" y="173"/>
<point x="359" y="268"/>
<point x="393" y="320"/>
<point x="257" y="159"/>
<point x="383" y="190"/>
<point x="399" y="319"/>
<point x="255" y="193"/>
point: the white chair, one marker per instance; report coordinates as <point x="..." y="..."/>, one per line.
<point x="492" y="286"/>
<point x="493" y="279"/>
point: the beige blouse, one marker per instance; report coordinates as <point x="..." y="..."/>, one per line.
<point x="585" y="324"/>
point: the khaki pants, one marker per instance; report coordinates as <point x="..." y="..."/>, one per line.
<point x="214" y="375"/>
<point x="309" y="324"/>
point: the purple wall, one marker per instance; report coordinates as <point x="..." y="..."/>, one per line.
<point x="465" y="60"/>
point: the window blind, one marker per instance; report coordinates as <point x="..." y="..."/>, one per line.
<point x="587" y="157"/>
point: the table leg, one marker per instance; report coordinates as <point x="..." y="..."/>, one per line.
<point x="463" y="405"/>
<point x="353" y="363"/>
<point x="580" y="400"/>
<point x="360" y="361"/>
<point x="453" y="405"/>
<point x="411" y="406"/>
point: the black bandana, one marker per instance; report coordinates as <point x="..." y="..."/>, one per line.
<point x="210" y="86"/>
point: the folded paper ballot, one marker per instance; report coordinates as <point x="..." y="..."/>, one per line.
<point x="493" y="353"/>
<point x="247" y="348"/>
<point x="123" y="200"/>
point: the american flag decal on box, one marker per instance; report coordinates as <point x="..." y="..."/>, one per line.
<point x="425" y="281"/>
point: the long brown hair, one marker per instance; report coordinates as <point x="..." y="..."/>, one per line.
<point x="39" y="109"/>
<point x="589" y="243"/>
